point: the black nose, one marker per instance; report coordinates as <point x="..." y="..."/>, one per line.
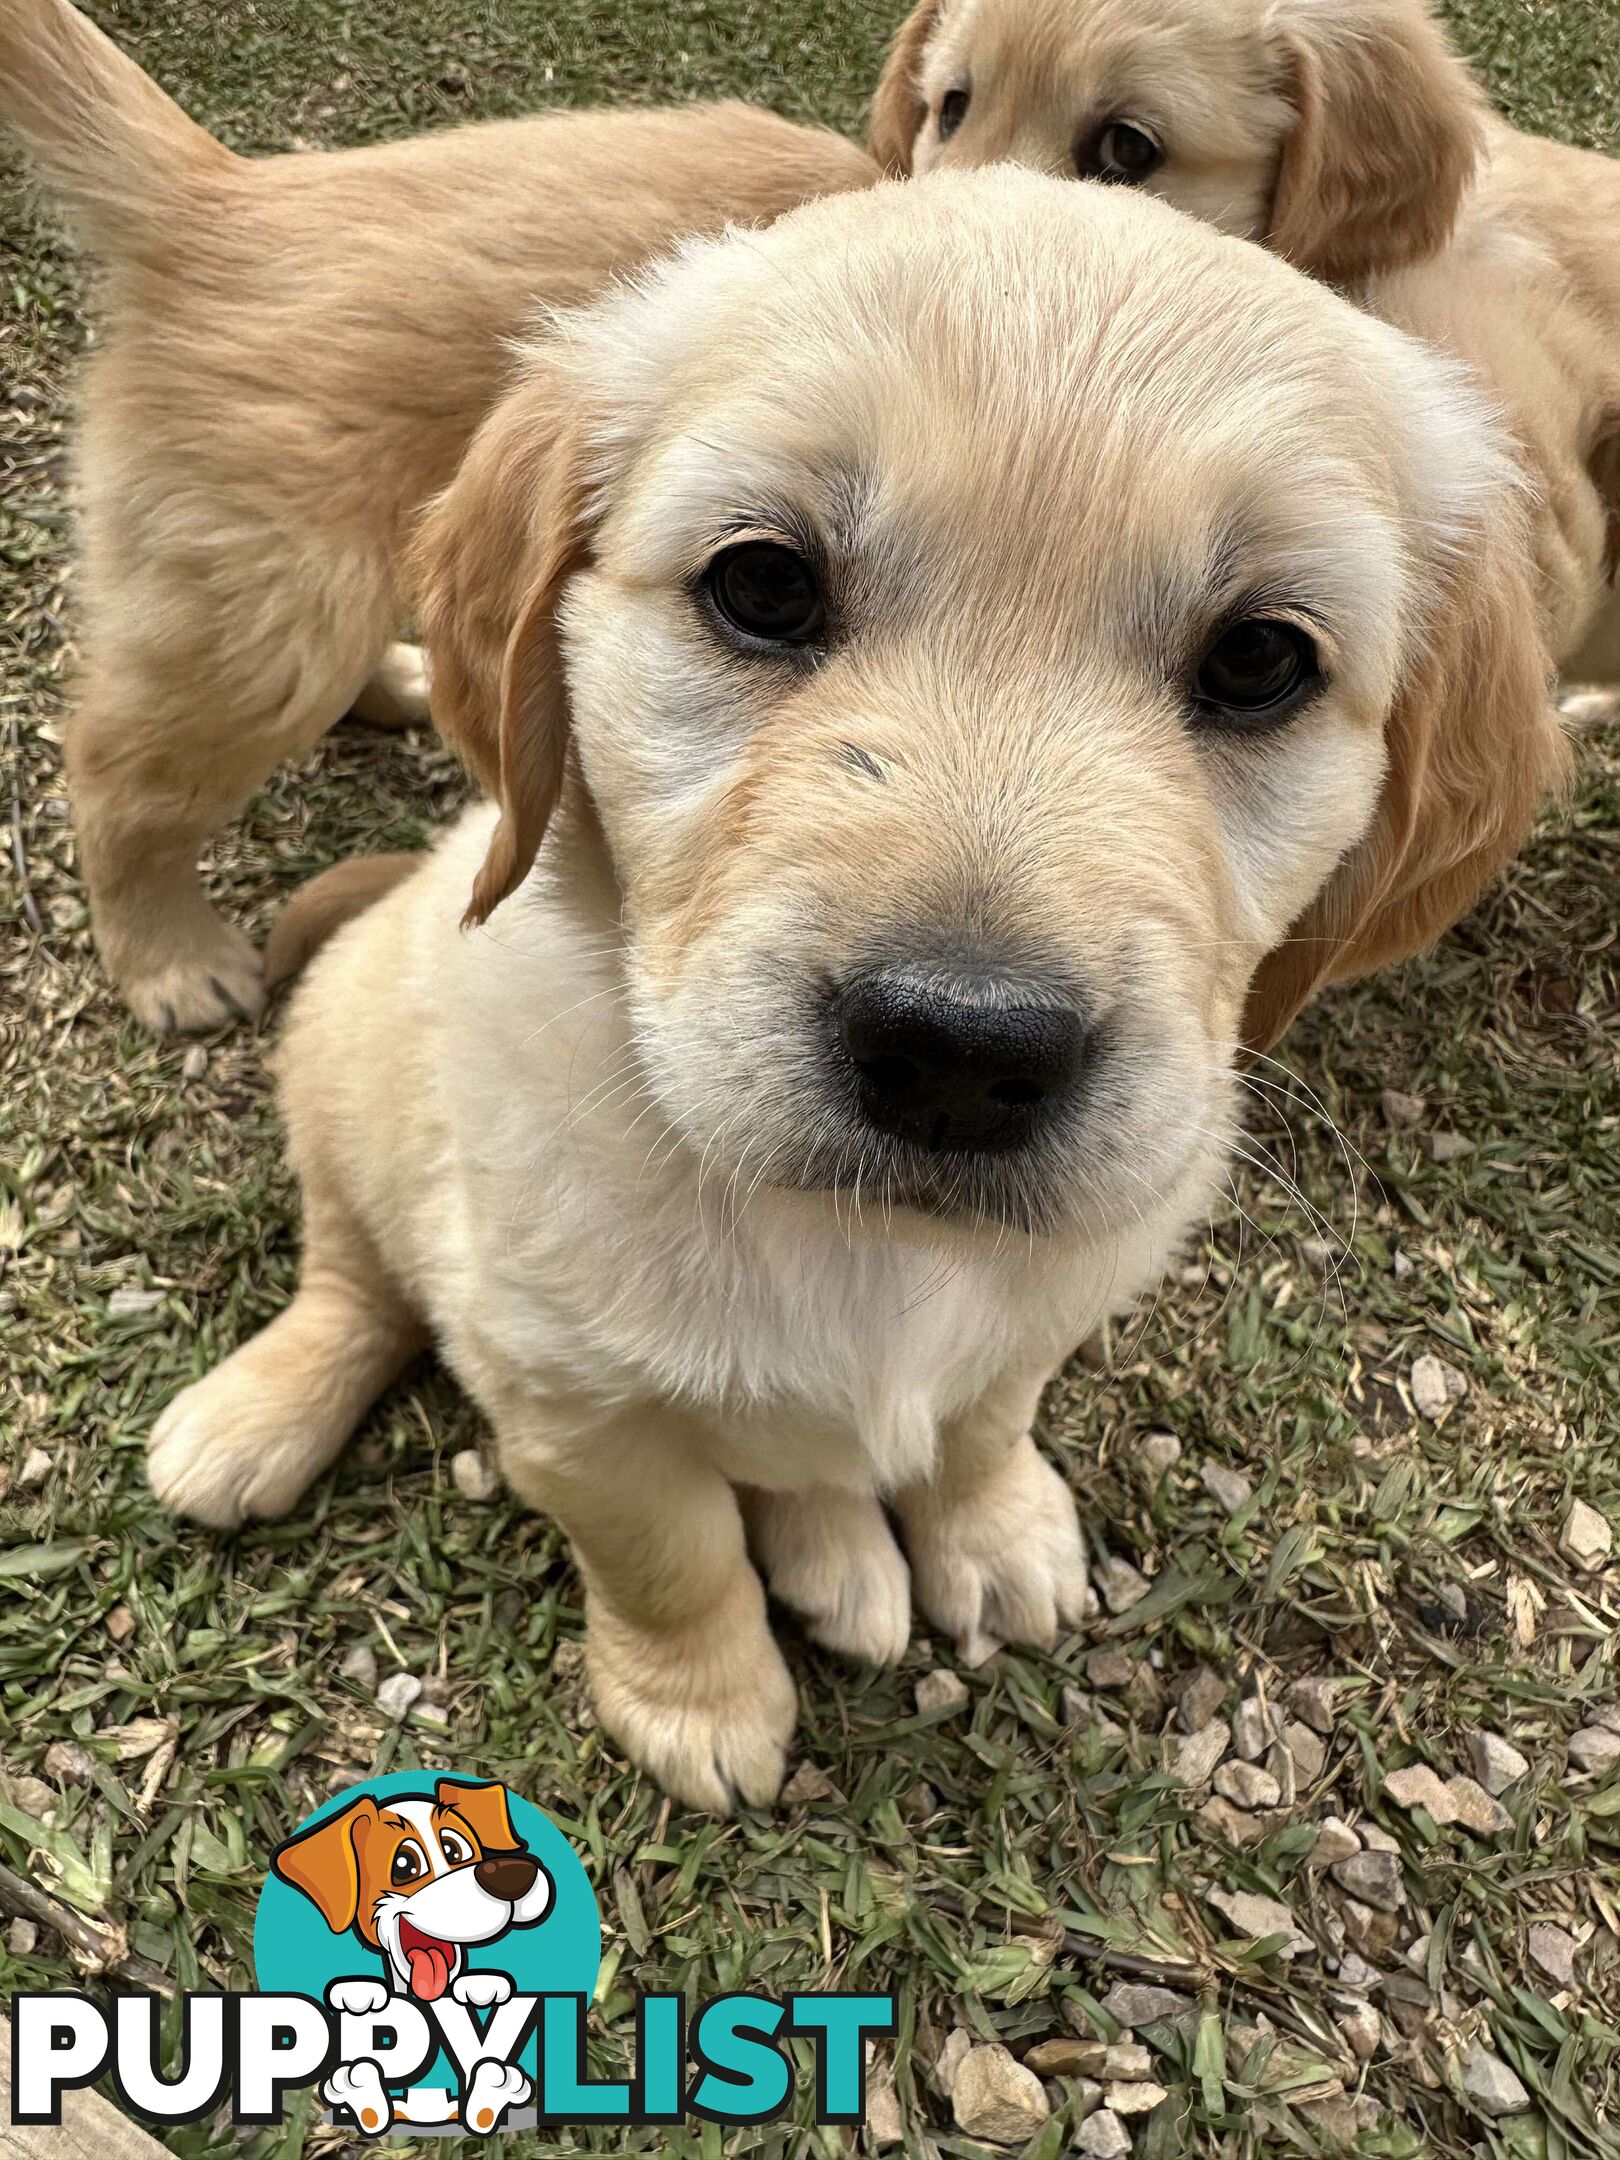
<point x="958" y="1057"/>
<point x="508" y="1875"/>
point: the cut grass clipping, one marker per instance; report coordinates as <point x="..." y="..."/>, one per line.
<point x="1348" y="1478"/>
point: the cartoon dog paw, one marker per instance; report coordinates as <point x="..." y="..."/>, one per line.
<point x="358" y="2087"/>
<point x="357" y="1998"/>
<point x="481" y="1990"/>
<point x="495" y="2088"/>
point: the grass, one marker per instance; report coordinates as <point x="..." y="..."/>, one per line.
<point x="170" y="1703"/>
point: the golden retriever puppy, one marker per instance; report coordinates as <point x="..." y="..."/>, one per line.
<point x="1350" y="138"/>
<point x="294" y="354"/>
<point x="950" y="637"/>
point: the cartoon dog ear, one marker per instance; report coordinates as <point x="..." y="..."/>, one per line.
<point x="898" y="111"/>
<point x="1474" y="746"/>
<point x="325" y="1863"/>
<point x="1386" y="135"/>
<point x="485" y="1809"/>
<point x="492" y="558"/>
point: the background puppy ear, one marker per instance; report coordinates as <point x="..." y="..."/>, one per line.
<point x="1474" y="745"/>
<point x="325" y="1863"/>
<point x="491" y="560"/>
<point x="1386" y="137"/>
<point x="898" y="111"/>
<point x="483" y="1808"/>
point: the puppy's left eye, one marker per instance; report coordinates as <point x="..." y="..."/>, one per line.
<point x="952" y="112"/>
<point x="456" y="1850"/>
<point x="1255" y="674"/>
<point x="1121" y="153"/>
<point x="766" y="594"/>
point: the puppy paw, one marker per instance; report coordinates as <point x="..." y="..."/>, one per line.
<point x="357" y="1998"/>
<point x="212" y="981"/>
<point x="481" y="1990"/>
<point x="495" y="2088"/>
<point x="358" y="2088"/>
<point x="1004" y="1563"/>
<point x="708" y="1709"/>
<point x="227" y="1451"/>
<point x="832" y="1557"/>
<point x="397" y="694"/>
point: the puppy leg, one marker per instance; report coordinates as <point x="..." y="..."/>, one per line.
<point x="685" y="1674"/>
<point x="246" y="1440"/>
<point x="831" y="1555"/>
<point x="994" y="1536"/>
<point x="397" y="694"/>
<point x="183" y="712"/>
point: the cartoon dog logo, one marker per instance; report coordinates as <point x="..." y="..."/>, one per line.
<point x="420" y="1879"/>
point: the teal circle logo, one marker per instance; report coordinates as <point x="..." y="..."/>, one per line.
<point x="447" y="1894"/>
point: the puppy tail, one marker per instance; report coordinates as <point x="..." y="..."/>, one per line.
<point x="324" y="905"/>
<point x="115" y="150"/>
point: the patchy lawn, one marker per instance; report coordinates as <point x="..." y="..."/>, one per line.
<point x="1371" y="1546"/>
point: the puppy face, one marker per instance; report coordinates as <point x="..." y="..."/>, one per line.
<point x="1341" y="134"/>
<point x="981" y="644"/>
<point x="419" y="1879"/>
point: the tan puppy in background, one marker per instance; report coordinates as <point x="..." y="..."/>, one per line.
<point x="1348" y="136"/>
<point x="952" y="635"/>
<point x="294" y="352"/>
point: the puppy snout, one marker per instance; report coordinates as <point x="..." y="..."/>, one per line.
<point x="959" y="1058"/>
<point x="507" y="1875"/>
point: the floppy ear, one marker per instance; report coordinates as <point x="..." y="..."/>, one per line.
<point x="491" y="560"/>
<point x="1385" y="138"/>
<point x="898" y="111"/>
<point x="484" y="1808"/>
<point x="325" y="1863"/>
<point x="1474" y="745"/>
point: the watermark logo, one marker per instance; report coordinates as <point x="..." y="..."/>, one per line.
<point x="427" y="1949"/>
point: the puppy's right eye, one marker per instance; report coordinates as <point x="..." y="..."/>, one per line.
<point x="765" y="594"/>
<point x="952" y="112"/>
<point x="409" y="1865"/>
<point x="1121" y="154"/>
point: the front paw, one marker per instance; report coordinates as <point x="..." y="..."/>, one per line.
<point x="357" y="1998"/>
<point x="495" y="2088"/>
<point x="1004" y="1562"/>
<point x="831" y="1555"/>
<point x="481" y="1990"/>
<point x="708" y="1708"/>
<point x="359" y="2088"/>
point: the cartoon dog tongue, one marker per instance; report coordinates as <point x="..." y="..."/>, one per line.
<point x="429" y="1962"/>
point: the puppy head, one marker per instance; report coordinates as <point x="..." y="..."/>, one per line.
<point x="419" y="1877"/>
<point x="1343" y="135"/>
<point x="987" y="615"/>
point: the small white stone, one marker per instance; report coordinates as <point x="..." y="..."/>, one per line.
<point x="1201" y="1695"/>
<point x="1449" y="1147"/>
<point x="940" y="1690"/>
<point x="1595" y="1750"/>
<point x="995" y="2098"/>
<point x="1125" y="2061"/>
<point x="1355" y="1972"/>
<point x="430" y="1713"/>
<point x="474" y="1478"/>
<point x="1335" y="1841"/>
<point x="1257" y="1917"/>
<point x="1119" y="1585"/>
<point x="1377" y="1839"/>
<point x="1492" y="2086"/>
<point x="1156" y="1452"/>
<point x="360" y="1666"/>
<point x="1435" y="1387"/>
<point x="1253" y="1728"/>
<point x="1103" y="2136"/>
<point x="22" y="1938"/>
<point x="1586" y="1537"/>
<point x="1229" y="1488"/>
<point x="194" y="1065"/>
<point x="1363" y="2031"/>
<point x="1554" y="1951"/>
<point x="883" y="2121"/>
<point x="1373" y="1878"/>
<point x="1497" y="1764"/>
<point x="1197" y="1754"/>
<point x="1311" y="1701"/>
<point x="1306" y="1751"/>
<point x="397" y="1693"/>
<point x="1404" y="1266"/>
<point x="1134" y="2098"/>
<point x="1246" y="1785"/>
<point x="953" y="2053"/>
<point x="36" y="1467"/>
<point x="1134" y="2004"/>
<point x="808" y="1785"/>
<point x="1400" y="1108"/>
